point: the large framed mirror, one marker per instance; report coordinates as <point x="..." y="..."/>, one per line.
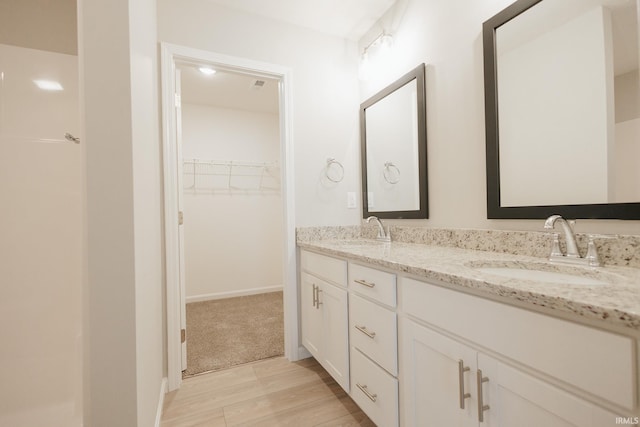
<point x="562" y="110"/>
<point x="393" y="133"/>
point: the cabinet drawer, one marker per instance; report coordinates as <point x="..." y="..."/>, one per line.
<point x="373" y="283"/>
<point x="332" y="269"/>
<point x="374" y="332"/>
<point x="598" y="362"/>
<point x="374" y="390"/>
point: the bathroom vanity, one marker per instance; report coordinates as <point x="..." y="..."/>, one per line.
<point x="422" y="335"/>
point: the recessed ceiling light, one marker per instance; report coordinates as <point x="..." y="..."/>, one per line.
<point x="48" y="85"/>
<point x="207" y="71"/>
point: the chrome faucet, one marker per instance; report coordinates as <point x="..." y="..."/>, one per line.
<point x="573" y="255"/>
<point x="570" y="238"/>
<point x="383" y="235"/>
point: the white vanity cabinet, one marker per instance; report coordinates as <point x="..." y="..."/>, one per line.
<point x="437" y="378"/>
<point x="466" y="361"/>
<point x="324" y="313"/>
<point x="450" y="383"/>
<point x="374" y="343"/>
<point x="424" y="354"/>
<point x="520" y="399"/>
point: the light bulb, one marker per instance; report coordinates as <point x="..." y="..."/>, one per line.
<point x="386" y="41"/>
<point x="48" y="85"/>
<point x="207" y="71"/>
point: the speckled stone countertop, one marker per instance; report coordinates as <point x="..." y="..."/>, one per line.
<point x="617" y="303"/>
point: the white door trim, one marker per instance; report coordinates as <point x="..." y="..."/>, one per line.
<point x="169" y="54"/>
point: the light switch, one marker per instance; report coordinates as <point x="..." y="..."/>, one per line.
<point x="351" y="200"/>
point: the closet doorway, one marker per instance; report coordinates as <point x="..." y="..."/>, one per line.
<point x="228" y="185"/>
<point x="232" y="214"/>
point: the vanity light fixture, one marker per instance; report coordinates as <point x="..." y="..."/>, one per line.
<point x="48" y="85"/>
<point x="383" y="42"/>
<point x="207" y="71"/>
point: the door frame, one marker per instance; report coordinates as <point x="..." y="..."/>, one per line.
<point x="169" y="54"/>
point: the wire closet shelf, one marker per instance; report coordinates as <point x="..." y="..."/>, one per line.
<point x="230" y="176"/>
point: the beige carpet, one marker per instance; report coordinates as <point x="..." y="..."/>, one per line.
<point x="232" y="331"/>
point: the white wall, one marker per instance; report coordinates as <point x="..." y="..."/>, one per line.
<point x="627" y="130"/>
<point x="41" y="225"/>
<point x="249" y="222"/>
<point x="124" y="349"/>
<point x="627" y="155"/>
<point x="325" y="93"/>
<point x="147" y="208"/>
<point x="447" y="36"/>
<point x="627" y="96"/>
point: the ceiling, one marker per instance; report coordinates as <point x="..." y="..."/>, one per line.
<point x="40" y="24"/>
<point x="348" y="19"/>
<point x="228" y="90"/>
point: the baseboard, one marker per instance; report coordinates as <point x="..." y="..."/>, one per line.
<point x="303" y="353"/>
<point x="163" y="391"/>
<point x="231" y="294"/>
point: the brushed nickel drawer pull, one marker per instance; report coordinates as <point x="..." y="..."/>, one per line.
<point x="461" y="370"/>
<point x="363" y="388"/>
<point x="481" y="406"/>
<point x="365" y="283"/>
<point x="363" y="329"/>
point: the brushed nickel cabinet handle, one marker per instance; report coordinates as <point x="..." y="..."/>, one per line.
<point x="461" y="370"/>
<point x="481" y="406"/>
<point x="318" y="302"/>
<point x="363" y="388"/>
<point x="315" y="295"/>
<point x="363" y="329"/>
<point x="365" y="283"/>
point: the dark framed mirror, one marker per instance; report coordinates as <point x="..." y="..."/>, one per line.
<point x="393" y="134"/>
<point x="562" y="110"/>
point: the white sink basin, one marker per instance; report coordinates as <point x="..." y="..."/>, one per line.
<point x="546" y="273"/>
<point x="362" y="243"/>
<point x="542" y="276"/>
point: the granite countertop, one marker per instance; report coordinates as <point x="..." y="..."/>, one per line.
<point x="617" y="303"/>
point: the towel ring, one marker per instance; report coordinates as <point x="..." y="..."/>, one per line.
<point x="338" y="174"/>
<point x="391" y="173"/>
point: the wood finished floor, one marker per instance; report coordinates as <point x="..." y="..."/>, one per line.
<point x="272" y="392"/>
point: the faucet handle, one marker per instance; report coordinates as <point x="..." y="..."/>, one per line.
<point x="592" y="250"/>
<point x="592" y="253"/>
<point x="555" y="245"/>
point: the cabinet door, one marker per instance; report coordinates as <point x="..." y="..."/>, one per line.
<point x="335" y="329"/>
<point x="310" y="316"/>
<point x="432" y="379"/>
<point x="516" y="398"/>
